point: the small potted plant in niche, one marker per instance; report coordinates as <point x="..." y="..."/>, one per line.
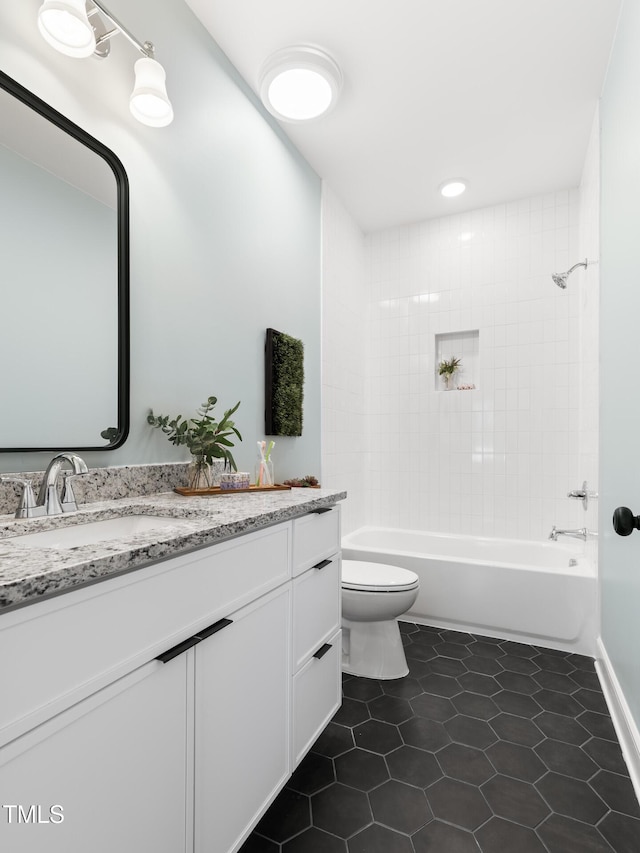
<point x="448" y="368"/>
<point x="206" y="438"/>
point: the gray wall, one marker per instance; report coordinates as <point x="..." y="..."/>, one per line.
<point x="619" y="318"/>
<point x="225" y="228"/>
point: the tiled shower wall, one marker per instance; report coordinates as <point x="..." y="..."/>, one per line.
<point x="499" y="459"/>
<point x="496" y="460"/>
<point x="589" y="312"/>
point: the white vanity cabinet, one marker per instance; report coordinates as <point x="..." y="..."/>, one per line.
<point x="107" y="774"/>
<point x="186" y="693"/>
<point x="242" y="723"/>
<point x="317" y="652"/>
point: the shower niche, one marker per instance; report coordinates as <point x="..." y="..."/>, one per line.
<point x="464" y="345"/>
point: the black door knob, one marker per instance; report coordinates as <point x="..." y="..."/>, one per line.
<point x="624" y="521"/>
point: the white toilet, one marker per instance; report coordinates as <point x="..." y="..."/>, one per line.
<point x="373" y="596"/>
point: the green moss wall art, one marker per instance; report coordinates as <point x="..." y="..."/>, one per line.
<point x="284" y="369"/>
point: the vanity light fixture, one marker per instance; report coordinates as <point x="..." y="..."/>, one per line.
<point x="453" y="187"/>
<point x="65" y="26"/>
<point x="78" y="30"/>
<point x="300" y="83"/>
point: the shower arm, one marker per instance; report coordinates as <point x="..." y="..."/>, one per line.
<point x="561" y="278"/>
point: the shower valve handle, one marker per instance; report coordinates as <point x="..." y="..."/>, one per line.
<point x="624" y="521"/>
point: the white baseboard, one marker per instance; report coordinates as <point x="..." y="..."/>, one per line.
<point x="623" y="721"/>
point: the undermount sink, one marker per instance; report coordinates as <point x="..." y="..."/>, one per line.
<point x="75" y="535"/>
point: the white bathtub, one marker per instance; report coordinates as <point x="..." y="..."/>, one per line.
<point x="533" y="592"/>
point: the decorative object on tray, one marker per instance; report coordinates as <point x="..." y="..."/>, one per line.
<point x="217" y="491"/>
<point x="306" y="482"/>
<point x="208" y="440"/>
<point x="264" y="464"/>
<point x="284" y="381"/>
<point x="447" y="368"/>
<point x="236" y="480"/>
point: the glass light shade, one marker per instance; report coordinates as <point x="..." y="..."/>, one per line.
<point x="149" y="102"/>
<point x="300" y="83"/>
<point x="452" y="188"/>
<point x="300" y="94"/>
<point x="64" y="25"/>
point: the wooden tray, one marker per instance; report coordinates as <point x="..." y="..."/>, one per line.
<point x="217" y="491"/>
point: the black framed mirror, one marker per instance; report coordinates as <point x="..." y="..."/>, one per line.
<point x="64" y="244"/>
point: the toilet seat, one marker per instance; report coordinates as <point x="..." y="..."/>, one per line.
<point x="377" y="577"/>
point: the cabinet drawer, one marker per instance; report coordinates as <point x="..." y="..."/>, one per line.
<point x="316" y="697"/>
<point x="315" y="536"/>
<point x="114" y="763"/>
<point x="316" y="608"/>
<point x="56" y="652"/>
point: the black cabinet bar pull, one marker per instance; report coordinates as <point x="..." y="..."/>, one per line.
<point x="173" y="652"/>
<point x="320" y="510"/>
<point x="185" y="645"/>
<point x="213" y="629"/>
<point x="322" y="564"/>
<point x="322" y="651"/>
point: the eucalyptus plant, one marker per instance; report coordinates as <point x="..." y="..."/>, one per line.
<point x="205" y="437"/>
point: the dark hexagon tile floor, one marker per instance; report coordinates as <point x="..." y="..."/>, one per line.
<point x="487" y="746"/>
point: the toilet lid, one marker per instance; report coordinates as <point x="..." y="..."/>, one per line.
<point x="376" y="577"/>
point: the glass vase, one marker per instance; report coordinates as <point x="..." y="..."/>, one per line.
<point x="264" y="475"/>
<point x="199" y="473"/>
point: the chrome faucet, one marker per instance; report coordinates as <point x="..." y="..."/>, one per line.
<point x="48" y="494"/>
<point x="580" y="533"/>
<point x="27" y="507"/>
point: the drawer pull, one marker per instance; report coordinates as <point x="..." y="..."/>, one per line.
<point x="173" y="652"/>
<point x="185" y="645"/>
<point x="322" y="651"/>
<point x="322" y="564"/>
<point x="321" y="510"/>
<point x="213" y="629"/>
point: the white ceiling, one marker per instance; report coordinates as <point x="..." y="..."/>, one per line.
<point x="501" y="92"/>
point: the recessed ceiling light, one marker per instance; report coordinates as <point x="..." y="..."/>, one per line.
<point x="300" y="83"/>
<point x="453" y="187"/>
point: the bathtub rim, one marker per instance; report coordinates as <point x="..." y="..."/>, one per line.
<point x="584" y="567"/>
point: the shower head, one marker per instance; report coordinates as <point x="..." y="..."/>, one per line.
<point x="560" y="278"/>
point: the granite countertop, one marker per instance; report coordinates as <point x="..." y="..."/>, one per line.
<point x="29" y="574"/>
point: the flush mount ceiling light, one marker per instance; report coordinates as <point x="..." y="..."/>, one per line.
<point x="78" y="30"/>
<point x="300" y="83"/>
<point x="453" y="187"/>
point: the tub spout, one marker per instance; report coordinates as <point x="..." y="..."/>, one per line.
<point x="580" y="533"/>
